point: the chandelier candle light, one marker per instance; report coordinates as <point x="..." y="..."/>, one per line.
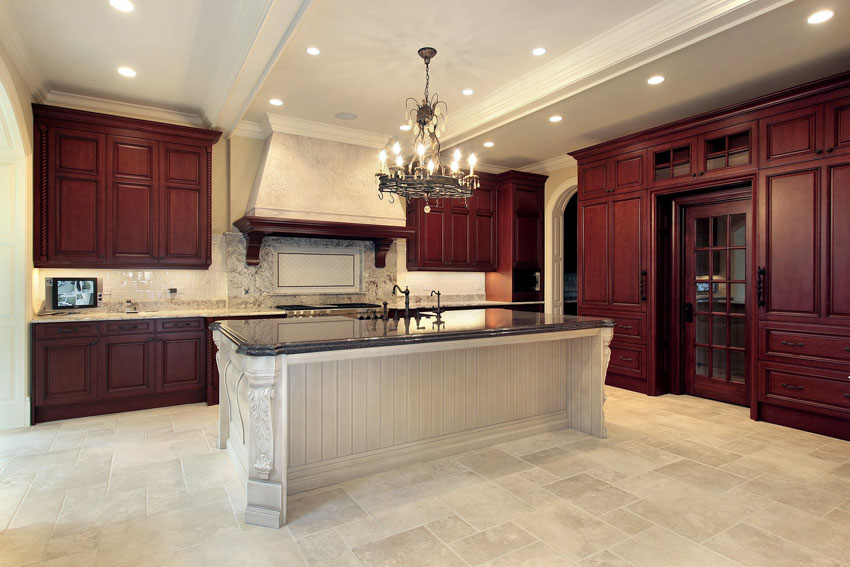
<point x="423" y="179"/>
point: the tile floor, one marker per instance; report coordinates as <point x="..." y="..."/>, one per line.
<point x="681" y="481"/>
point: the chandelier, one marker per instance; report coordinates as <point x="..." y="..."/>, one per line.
<point x="425" y="176"/>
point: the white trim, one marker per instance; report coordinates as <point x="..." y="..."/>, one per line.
<point x="296" y="215"/>
<point x="549" y="165"/>
<point x="553" y="242"/>
<point x="246" y="129"/>
<point x="130" y="110"/>
<point x="11" y="40"/>
<point x="322" y="131"/>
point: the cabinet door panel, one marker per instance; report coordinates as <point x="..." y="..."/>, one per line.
<point x="838" y="252"/>
<point x="628" y="171"/>
<point x="132" y="159"/>
<point x="433" y="236"/>
<point x="527" y="236"/>
<point x="180" y="216"/>
<point x="179" y="361"/>
<point x="593" y="246"/>
<point x="790" y="247"/>
<point x="78" y="152"/>
<point x="126" y="365"/>
<point x="64" y="372"/>
<point x="459" y="244"/>
<point x="791" y="136"/>
<point x="133" y="227"/>
<point x="184" y="205"/>
<point x="76" y="222"/>
<point x="626" y="251"/>
<point x="593" y="178"/>
<point x="484" y="253"/>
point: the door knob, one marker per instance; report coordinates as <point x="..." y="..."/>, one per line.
<point x="689" y="312"/>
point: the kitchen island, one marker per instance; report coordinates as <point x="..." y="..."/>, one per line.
<point x="314" y="401"/>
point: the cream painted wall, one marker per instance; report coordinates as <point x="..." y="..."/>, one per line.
<point x="244" y="158"/>
<point x="556" y="178"/>
<point x="220" y="187"/>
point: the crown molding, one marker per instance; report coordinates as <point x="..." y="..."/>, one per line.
<point x="662" y="29"/>
<point x="94" y="104"/>
<point x="310" y="129"/>
<point x="490" y="168"/>
<point x="247" y="129"/>
<point x="11" y="41"/>
<point x="549" y="165"/>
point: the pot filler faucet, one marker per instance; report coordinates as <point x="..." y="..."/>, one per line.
<point x="437" y="293"/>
<point x="406" y="293"/>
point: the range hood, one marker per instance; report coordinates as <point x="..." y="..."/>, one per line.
<point x="318" y="181"/>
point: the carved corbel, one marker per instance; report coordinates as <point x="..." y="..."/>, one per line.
<point x="261" y="394"/>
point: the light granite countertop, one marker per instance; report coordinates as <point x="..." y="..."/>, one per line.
<point x="82" y="315"/>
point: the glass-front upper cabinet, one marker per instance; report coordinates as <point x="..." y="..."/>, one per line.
<point x="673" y="162"/>
<point x="727" y="149"/>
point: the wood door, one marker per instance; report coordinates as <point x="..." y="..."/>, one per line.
<point x="64" y="371"/>
<point x="628" y="172"/>
<point x="593" y="263"/>
<point x="789" y="249"/>
<point x="132" y="212"/>
<point x="628" y="274"/>
<point x="126" y="365"/>
<point x="180" y="361"/>
<point x="791" y="137"/>
<point x="183" y="204"/>
<point x="837" y="127"/>
<point x="75" y="197"/>
<point x="593" y="179"/>
<point x="717" y="262"/>
<point x="837" y="253"/>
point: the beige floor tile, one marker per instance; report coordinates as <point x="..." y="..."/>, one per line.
<point x="743" y="446"/>
<point x="166" y="450"/>
<point x="837" y="447"/>
<point x="492" y="543"/>
<point x="493" y="464"/>
<point x="691" y="512"/>
<point x="391" y="480"/>
<point x="649" y="484"/>
<point x="87" y="508"/>
<point x="163" y="478"/>
<point x="183" y="558"/>
<point x="485" y="505"/>
<point x="326" y="549"/>
<point x="791" y="439"/>
<point x="571" y="531"/>
<point x="65" y="441"/>
<point x="701" y="476"/>
<point x="360" y="532"/>
<point x="15" y="480"/>
<point x="700" y="453"/>
<point x="562" y="461"/>
<point x="40" y="462"/>
<point x="38" y="509"/>
<point x="86" y="473"/>
<point x="17" y="443"/>
<point x="794" y="466"/>
<point x="604" y="559"/>
<point x="535" y="443"/>
<point x="754" y="548"/>
<point x="415" y="548"/>
<point x="527" y="490"/>
<point x="792" y="493"/>
<point x="539" y="476"/>
<point x="534" y="555"/>
<point x="805" y="529"/>
<point x="626" y="521"/>
<point x="397" y="519"/>
<point x="81" y="559"/>
<point x="657" y="547"/>
<point x="314" y="513"/>
<point x="839" y="516"/>
<point x="162" y="505"/>
<point x="450" y="529"/>
<point x="207" y="470"/>
<point x="10" y="499"/>
<point x="98" y="441"/>
<point x="257" y="548"/>
<point x="89" y="423"/>
<point x="23" y="546"/>
<point x="80" y="542"/>
<point x="833" y="483"/>
<point x="132" y="541"/>
<point x="590" y="494"/>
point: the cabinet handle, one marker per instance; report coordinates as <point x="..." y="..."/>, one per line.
<point x="829" y="150"/>
<point x="789" y="343"/>
<point x="847" y="348"/>
<point x="760" y="286"/>
<point x="792" y="386"/>
<point x="66" y="330"/>
<point x="624" y="326"/>
<point x="702" y="173"/>
<point x="693" y="175"/>
<point x="643" y="285"/>
<point x="818" y="152"/>
<point x="94" y="342"/>
<point x="127" y="327"/>
<point x="626" y="358"/>
<point x="180" y="324"/>
<point x="847" y="395"/>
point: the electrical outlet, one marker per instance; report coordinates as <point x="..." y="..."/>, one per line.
<point x="172" y="290"/>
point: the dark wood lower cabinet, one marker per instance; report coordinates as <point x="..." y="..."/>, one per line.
<point x="118" y="366"/>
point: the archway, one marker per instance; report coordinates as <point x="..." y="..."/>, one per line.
<point x="14" y="284"/>
<point x="553" y="288"/>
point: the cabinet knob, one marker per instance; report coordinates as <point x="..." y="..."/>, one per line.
<point x="847" y="395"/>
<point x="702" y="173"/>
<point x="94" y="342"/>
<point x="829" y="150"/>
<point x="818" y="152"/>
<point x="847" y="348"/>
<point x="693" y="175"/>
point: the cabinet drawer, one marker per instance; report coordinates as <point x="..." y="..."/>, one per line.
<point x="786" y="383"/>
<point x="125" y="327"/>
<point x="65" y="330"/>
<point x="797" y="344"/>
<point x="165" y="325"/>
<point x="626" y="359"/>
<point x="626" y="327"/>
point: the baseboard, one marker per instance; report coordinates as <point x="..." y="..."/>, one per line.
<point x="812" y="422"/>
<point x="626" y="382"/>
<point x="115" y="405"/>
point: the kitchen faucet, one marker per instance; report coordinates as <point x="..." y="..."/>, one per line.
<point x="437" y="293"/>
<point x="406" y="293"/>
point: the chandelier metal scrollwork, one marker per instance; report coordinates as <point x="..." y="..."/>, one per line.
<point x="425" y="176"/>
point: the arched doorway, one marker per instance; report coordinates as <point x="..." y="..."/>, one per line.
<point x="14" y="284"/>
<point x="553" y="289"/>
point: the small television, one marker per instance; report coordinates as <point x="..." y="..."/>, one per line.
<point x="70" y="293"/>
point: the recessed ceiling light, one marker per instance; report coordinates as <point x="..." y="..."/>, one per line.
<point x="404" y="127"/>
<point x="275" y="102"/>
<point x="555" y="118"/>
<point x="345" y="115"/>
<point x="489" y="144"/>
<point x="126" y="71"/>
<point x="313" y="50"/>
<point x="122" y="5"/>
<point x="820" y="17"/>
<point x="655" y="80"/>
<point x="538" y="51"/>
<point x="467" y="92"/>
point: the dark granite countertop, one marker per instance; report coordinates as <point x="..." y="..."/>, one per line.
<point x="265" y="337"/>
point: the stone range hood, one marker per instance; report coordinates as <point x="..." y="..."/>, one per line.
<point x="318" y="181"/>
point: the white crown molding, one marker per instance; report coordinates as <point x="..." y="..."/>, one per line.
<point x="279" y="25"/>
<point x="94" y="104"/>
<point x="241" y="33"/>
<point x="247" y="129"/>
<point x="322" y="131"/>
<point x="666" y="27"/>
<point x="11" y="41"/>
<point x="490" y="168"/>
<point x="549" y="165"/>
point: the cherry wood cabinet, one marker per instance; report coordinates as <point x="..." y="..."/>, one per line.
<point x="622" y="173"/>
<point x="119" y="192"/>
<point x="92" y="368"/>
<point x="807" y="133"/>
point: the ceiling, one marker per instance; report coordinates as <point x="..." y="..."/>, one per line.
<point x="218" y="62"/>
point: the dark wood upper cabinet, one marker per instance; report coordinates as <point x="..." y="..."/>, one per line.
<point x="628" y="171"/>
<point x="727" y="151"/>
<point x="119" y="192"/>
<point x="593" y="178"/>
<point x="837" y="300"/>
<point x="791" y="137"/>
<point x="673" y="162"/>
<point x="837" y="126"/>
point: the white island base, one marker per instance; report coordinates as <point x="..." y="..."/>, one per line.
<point x="294" y="422"/>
